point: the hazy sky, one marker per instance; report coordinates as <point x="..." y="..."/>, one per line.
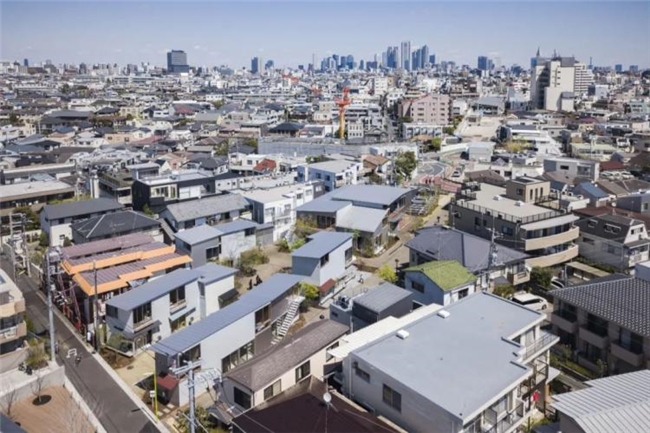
<point x="214" y="33"/>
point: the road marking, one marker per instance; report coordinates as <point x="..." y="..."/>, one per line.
<point x="71" y="352"/>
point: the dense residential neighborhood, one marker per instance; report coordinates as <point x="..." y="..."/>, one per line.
<point x="400" y="242"/>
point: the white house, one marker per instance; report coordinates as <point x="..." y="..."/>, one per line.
<point x="326" y="256"/>
<point x="439" y="282"/>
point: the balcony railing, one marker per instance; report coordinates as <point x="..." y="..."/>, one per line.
<point x="630" y="353"/>
<point x="545" y="341"/>
<point x="565" y="320"/>
<point x="552" y="240"/>
<point x="506" y="423"/>
<point x="13" y="332"/>
<point x="596" y="336"/>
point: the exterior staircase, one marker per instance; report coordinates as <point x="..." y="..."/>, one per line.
<point x="292" y="312"/>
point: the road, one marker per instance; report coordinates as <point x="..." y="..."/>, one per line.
<point x="112" y="406"/>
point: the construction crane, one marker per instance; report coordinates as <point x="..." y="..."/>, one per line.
<point x="342" y="103"/>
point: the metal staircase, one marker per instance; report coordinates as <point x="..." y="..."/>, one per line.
<point x="288" y="319"/>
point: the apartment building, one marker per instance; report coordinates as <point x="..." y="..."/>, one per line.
<point x="34" y="194"/>
<point x="517" y="219"/>
<point x="277" y="205"/>
<point x="333" y="174"/>
<point x="406" y="376"/>
<point x="159" y="191"/>
<point x="222" y="242"/>
<point x="554" y="82"/>
<point x="13" y="328"/>
<point x="294" y="360"/>
<point x="605" y="321"/>
<point x="573" y="168"/>
<point x="57" y="219"/>
<point x="227" y="338"/>
<point x="432" y="109"/>
<point x="324" y="259"/>
<point x="166" y="304"/>
<point x="614" y="240"/>
<point x="413" y="129"/>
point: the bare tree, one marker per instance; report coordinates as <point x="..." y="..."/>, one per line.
<point x="9" y="398"/>
<point x="37" y="384"/>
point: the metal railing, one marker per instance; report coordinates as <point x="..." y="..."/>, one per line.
<point x="545" y="339"/>
<point x="502" y="216"/>
<point x="570" y="316"/>
<point x="509" y="420"/>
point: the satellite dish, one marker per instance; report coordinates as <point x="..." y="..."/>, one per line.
<point x="327" y="397"/>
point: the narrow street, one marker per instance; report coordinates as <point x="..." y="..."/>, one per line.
<point x="112" y="406"/>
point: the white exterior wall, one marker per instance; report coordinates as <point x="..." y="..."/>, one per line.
<point x="223" y="343"/>
<point x="232" y="245"/>
<point x="214" y="290"/>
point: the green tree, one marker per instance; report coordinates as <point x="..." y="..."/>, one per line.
<point x="147" y="210"/>
<point x="405" y="163"/>
<point x="43" y="240"/>
<point x="15" y="120"/>
<point x="436" y="144"/>
<point x="504" y="290"/>
<point x="387" y="273"/>
<point x="129" y="117"/>
<point x="217" y="104"/>
<point x="449" y="130"/>
<point x="309" y="291"/>
<point x="203" y="418"/>
<point x="541" y="276"/>
<point x="67" y="242"/>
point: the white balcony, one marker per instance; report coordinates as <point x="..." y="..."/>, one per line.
<point x="550" y="241"/>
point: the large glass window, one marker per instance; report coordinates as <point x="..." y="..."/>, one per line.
<point x="177" y="295"/>
<point x="303" y="371"/>
<point x="273" y="390"/>
<point x="141" y="314"/>
<point x="242" y="398"/>
<point x="238" y="357"/>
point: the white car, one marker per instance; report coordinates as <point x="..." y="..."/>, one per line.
<point x="533" y="302"/>
<point x="556" y="283"/>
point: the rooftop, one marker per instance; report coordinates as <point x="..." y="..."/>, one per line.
<point x="439" y="358"/>
<point x="381" y="297"/>
<point x="27" y="189"/>
<point x="617" y="403"/>
<point x="447" y="274"/>
<point x="206" y="206"/>
<point x="620" y="299"/>
<point x="113" y="224"/>
<point x="486" y="198"/>
<point x="322" y="243"/>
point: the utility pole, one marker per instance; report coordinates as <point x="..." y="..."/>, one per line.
<point x="189" y="368"/>
<point x="96" y="311"/>
<point x="48" y="281"/>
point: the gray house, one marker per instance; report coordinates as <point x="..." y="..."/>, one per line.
<point x="166" y="304"/>
<point x="324" y="258"/>
<point x="228" y="337"/>
<point x="223" y="242"/>
<point x="372" y="306"/>
<point x="210" y="210"/>
<point x="637" y="202"/>
<point x="115" y="224"/>
<point x="56" y="219"/>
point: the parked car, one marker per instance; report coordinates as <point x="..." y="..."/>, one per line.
<point x="533" y="302"/>
<point x="556" y="283"/>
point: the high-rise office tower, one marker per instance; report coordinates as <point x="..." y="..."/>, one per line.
<point x="177" y="62"/>
<point x="406" y="55"/>
<point x="25" y="62"/>
<point x="618" y="68"/>
<point x="432" y="59"/>
<point x="415" y="60"/>
<point x="484" y="63"/>
<point x="424" y="56"/>
<point x="257" y="65"/>
<point x="634" y="68"/>
<point x="269" y="64"/>
<point x="557" y="81"/>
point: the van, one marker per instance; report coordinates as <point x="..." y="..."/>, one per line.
<point x="533" y="302"/>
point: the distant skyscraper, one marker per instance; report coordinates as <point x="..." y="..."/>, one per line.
<point x="634" y="68"/>
<point x="269" y="64"/>
<point x="618" y="68"/>
<point x="256" y="65"/>
<point x="406" y="55"/>
<point x="424" y="56"/>
<point x="177" y="62"/>
<point x="432" y="59"/>
<point x="484" y="63"/>
<point x="83" y="69"/>
<point x="26" y="62"/>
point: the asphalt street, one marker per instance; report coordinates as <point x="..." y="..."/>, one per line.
<point x="112" y="406"/>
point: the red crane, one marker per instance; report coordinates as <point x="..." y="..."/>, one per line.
<point x="342" y="103"/>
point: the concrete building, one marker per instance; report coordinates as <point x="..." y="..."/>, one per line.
<point x="573" y="168"/>
<point x="555" y="81"/>
<point x="412" y="129"/>
<point x="177" y="62"/>
<point x="227" y="338"/>
<point x="514" y="213"/>
<point x="324" y="259"/>
<point x="439" y="282"/>
<point x="164" y="305"/>
<point x="406" y="376"/>
<point x="605" y="322"/>
<point x="294" y="360"/>
<point x="430" y="109"/>
<point x="333" y="173"/>
<point x="34" y="194"/>
<point x="617" y="403"/>
<point x="57" y="219"/>
<point x="226" y="241"/>
<point x="13" y="328"/>
<point x="614" y="240"/>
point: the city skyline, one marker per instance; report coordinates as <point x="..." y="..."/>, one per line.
<point x="291" y="32"/>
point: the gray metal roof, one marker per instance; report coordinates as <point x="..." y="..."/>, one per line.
<point x="79" y="208"/>
<point x="621" y="299"/>
<point x="251" y="301"/>
<point x="382" y="297"/>
<point x="208" y="206"/>
<point x="198" y="234"/>
<point x="618" y="403"/>
<point x="376" y="194"/>
<point x="236" y="226"/>
<point x="364" y="219"/>
<point x="115" y="224"/>
<point x="289" y="354"/>
<point x="323" y="204"/>
<point x="445" y="359"/>
<point x="472" y="252"/>
<point x="161" y="286"/>
<point x="322" y="243"/>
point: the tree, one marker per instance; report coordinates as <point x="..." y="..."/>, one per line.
<point x="387" y="273"/>
<point x="504" y="290"/>
<point x="9" y="397"/>
<point x="37" y="385"/>
<point x="449" y="130"/>
<point x="405" y="163"/>
<point x="436" y="144"/>
<point x="67" y="242"/>
<point x="310" y="291"/>
<point x="43" y="240"/>
<point x="202" y="418"/>
<point x="129" y="117"/>
<point x="602" y="367"/>
<point x="15" y="120"/>
<point x="217" y="104"/>
<point x="542" y="277"/>
<point x="147" y="210"/>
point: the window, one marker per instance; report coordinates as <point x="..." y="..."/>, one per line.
<point x="325" y="260"/>
<point x="272" y="390"/>
<point x="261" y="316"/>
<point x="362" y="374"/>
<point x="588" y="241"/>
<point x="417" y="286"/>
<point x="178" y="323"/>
<point x="141" y="314"/>
<point x="303" y="371"/>
<point x="237" y="357"/>
<point x="463" y="293"/>
<point x="193" y="354"/>
<point x="507" y="230"/>
<point x="333" y="346"/>
<point x="392" y="398"/>
<point x="564" y="167"/>
<point x="645" y="206"/>
<point x="111" y="311"/>
<point x="213" y="252"/>
<point x="249" y="232"/>
<point x="177" y="295"/>
<point x="242" y="399"/>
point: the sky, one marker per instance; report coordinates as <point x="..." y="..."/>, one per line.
<point x="289" y="32"/>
